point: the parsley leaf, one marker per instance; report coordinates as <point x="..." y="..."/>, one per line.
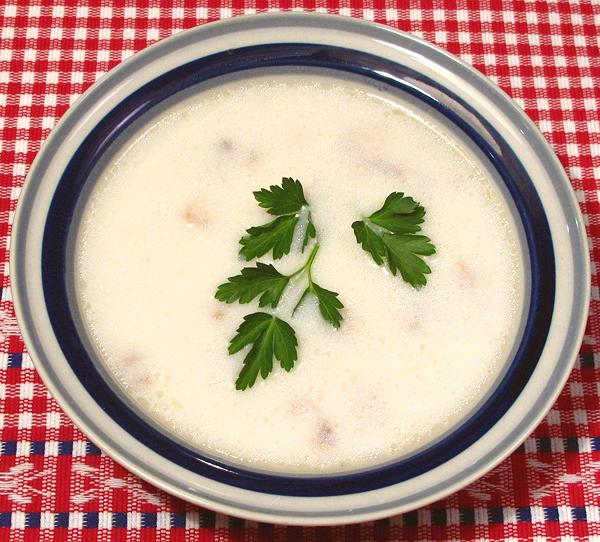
<point x="399" y="214"/>
<point x="389" y="235"/>
<point x="282" y="200"/>
<point x="329" y="304"/>
<point x="263" y="279"/>
<point x="288" y="203"/>
<point x="270" y="337"/>
<point x="277" y="236"/>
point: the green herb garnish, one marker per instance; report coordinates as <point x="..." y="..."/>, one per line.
<point x="389" y="235"/>
<point x="270" y="337"/>
<point x="288" y="203"/>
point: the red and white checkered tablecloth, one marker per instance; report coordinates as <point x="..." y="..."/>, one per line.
<point x="56" y="485"/>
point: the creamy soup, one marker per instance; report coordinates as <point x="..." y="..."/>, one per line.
<point x="161" y="231"/>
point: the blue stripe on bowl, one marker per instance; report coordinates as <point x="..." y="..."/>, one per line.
<point x="513" y="173"/>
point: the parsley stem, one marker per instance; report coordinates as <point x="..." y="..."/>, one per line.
<point x="308" y="268"/>
<point x="308" y="264"/>
<point x="310" y="261"/>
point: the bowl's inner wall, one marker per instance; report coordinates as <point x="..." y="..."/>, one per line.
<point x="55" y="264"/>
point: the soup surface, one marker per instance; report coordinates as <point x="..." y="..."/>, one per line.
<point x="161" y="231"/>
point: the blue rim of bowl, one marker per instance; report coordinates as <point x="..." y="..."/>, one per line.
<point x="494" y="147"/>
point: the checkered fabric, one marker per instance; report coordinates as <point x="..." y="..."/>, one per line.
<point x="56" y="485"/>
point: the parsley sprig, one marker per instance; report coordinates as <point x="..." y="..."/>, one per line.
<point x="270" y="336"/>
<point x="390" y="236"/>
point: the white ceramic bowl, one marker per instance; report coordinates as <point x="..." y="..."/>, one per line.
<point x="543" y="203"/>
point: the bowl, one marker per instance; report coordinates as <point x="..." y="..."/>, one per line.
<point x="540" y="197"/>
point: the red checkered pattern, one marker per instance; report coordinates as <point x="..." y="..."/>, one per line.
<point x="55" y="485"/>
